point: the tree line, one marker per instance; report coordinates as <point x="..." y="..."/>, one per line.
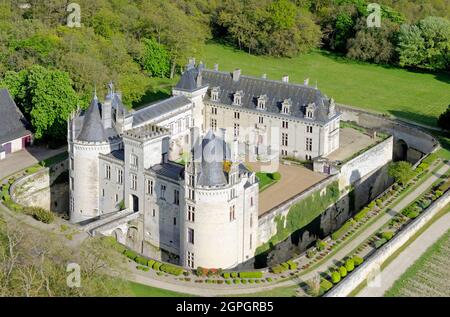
<point x="51" y="68"/>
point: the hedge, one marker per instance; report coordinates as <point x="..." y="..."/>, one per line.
<point x="234" y="275"/>
<point x="326" y="285"/>
<point x="255" y="274"/>
<point x="335" y="277"/>
<point x="343" y="230"/>
<point x="157" y="266"/>
<point x="150" y="263"/>
<point x="362" y="214"/>
<point x="379" y="243"/>
<point x="236" y="281"/>
<point x="277" y="269"/>
<point x="276" y="176"/>
<point x="141" y="260"/>
<point x="131" y="254"/>
<point x="358" y="260"/>
<point x="228" y="282"/>
<point x="171" y="269"/>
<point x="292" y="265"/>
<point x="226" y="275"/>
<point x="387" y="235"/>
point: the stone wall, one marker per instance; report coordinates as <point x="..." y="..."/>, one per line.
<point x="48" y="188"/>
<point x="373" y="264"/>
<point x="413" y="136"/>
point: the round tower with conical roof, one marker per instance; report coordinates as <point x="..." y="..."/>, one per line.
<point x="87" y="138"/>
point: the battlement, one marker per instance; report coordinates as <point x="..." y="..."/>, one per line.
<point x="146" y="132"/>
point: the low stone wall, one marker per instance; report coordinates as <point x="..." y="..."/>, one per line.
<point x="44" y="189"/>
<point x="372" y="265"/>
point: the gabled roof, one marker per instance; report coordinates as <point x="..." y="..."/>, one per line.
<point x="92" y="130"/>
<point x="276" y="92"/>
<point x="13" y="124"/>
<point x="151" y="111"/>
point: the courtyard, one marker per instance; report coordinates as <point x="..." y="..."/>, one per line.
<point x="294" y="180"/>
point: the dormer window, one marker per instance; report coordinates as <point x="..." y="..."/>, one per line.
<point x="237" y="100"/>
<point x="310" y="111"/>
<point x="215" y="93"/>
<point x="262" y="102"/>
<point x="286" y="106"/>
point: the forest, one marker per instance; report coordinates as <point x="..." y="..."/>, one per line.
<point x="51" y="68"/>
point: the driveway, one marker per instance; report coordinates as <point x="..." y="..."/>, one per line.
<point x="19" y="160"/>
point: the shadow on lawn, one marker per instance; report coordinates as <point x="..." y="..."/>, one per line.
<point x="414" y="116"/>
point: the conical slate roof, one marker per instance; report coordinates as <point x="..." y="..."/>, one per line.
<point x="212" y="173"/>
<point x="92" y="130"/>
<point x="188" y="80"/>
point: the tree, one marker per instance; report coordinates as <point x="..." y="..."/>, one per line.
<point x="444" y="119"/>
<point x="401" y="171"/>
<point x="155" y="60"/>
<point x="46" y="97"/>
<point x="426" y="44"/>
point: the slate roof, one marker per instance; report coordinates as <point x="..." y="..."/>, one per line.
<point x="92" y="130"/>
<point x="188" y="80"/>
<point x="276" y="92"/>
<point x="154" y="110"/>
<point x="170" y="170"/>
<point x="117" y="154"/>
<point x="13" y="124"/>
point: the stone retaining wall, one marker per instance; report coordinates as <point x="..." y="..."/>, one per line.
<point x="373" y="264"/>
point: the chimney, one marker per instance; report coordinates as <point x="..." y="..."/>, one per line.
<point x="236" y="74"/>
<point x="216" y="67"/>
<point x="285" y="78"/>
<point x="264" y="76"/>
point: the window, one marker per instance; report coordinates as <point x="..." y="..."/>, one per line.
<point x="308" y="157"/>
<point x="119" y="176"/>
<point x="163" y="191"/>
<point x="237" y="115"/>
<point x="154" y="213"/>
<point x="103" y="192"/>
<point x="251" y="221"/>
<point x="236" y="129"/>
<point x="284" y="139"/>
<point x="284" y="153"/>
<point x="251" y="241"/>
<point x="237" y="98"/>
<point x="308" y="144"/>
<point x="191" y="235"/>
<point x="251" y="201"/>
<point x="188" y="121"/>
<point x="107" y="171"/>
<point x="261" y="120"/>
<point x="176" y="197"/>
<point x="71" y="163"/>
<point x="214" y="124"/>
<point x="117" y="198"/>
<point x="149" y="187"/>
<point x="174" y="221"/>
<point x="286" y="106"/>
<point x="190" y="260"/>
<point x="284" y="124"/>
<point x="191" y="180"/>
<point x="191" y="213"/>
<point x="262" y="102"/>
<point x="215" y="94"/>
<point x="133" y="181"/>
<point x="213" y="110"/>
<point x="309" y="129"/>
<point x="71" y="183"/>
<point x="232" y="213"/>
<point x="133" y="160"/>
<point x="191" y="194"/>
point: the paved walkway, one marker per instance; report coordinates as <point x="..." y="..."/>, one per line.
<point x="405" y="259"/>
<point x="19" y="160"/>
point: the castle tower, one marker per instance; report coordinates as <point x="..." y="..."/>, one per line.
<point x="87" y="138"/>
<point x="216" y="230"/>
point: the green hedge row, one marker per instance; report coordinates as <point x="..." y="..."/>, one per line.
<point x="255" y="274"/>
<point x="343" y="230"/>
<point x="280" y="268"/>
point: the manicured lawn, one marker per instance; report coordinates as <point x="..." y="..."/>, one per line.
<point x="140" y="290"/>
<point x="417" y="96"/>
<point x="429" y="275"/>
<point x="265" y="180"/>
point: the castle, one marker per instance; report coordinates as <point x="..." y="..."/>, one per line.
<point x="204" y="211"/>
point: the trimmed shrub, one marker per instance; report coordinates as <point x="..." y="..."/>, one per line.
<point x="251" y="281"/>
<point x="236" y="281"/>
<point x="379" y="203"/>
<point x="379" y="243"/>
<point x="325" y="285"/>
<point x="234" y="275"/>
<point x="362" y="214"/>
<point x="387" y="235"/>
<point x="343" y="230"/>
<point x="157" y="266"/>
<point x="277" y="269"/>
<point x="244" y="281"/>
<point x="292" y="265"/>
<point x="350" y="265"/>
<point x="171" y="269"/>
<point x="226" y="275"/>
<point x="321" y="245"/>
<point x="276" y="176"/>
<point x="335" y="277"/>
<point x="131" y="254"/>
<point x="255" y="274"/>
<point x="343" y="271"/>
<point x="310" y="253"/>
<point x="140" y="260"/>
<point x="228" y="282"/>
<point x="371" y="205"/>
<point x="150" y="263"/>
<point x="357" y="260"/>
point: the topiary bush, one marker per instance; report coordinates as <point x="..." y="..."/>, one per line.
<point x="141" y="260"/>
<point x="387" y="235"/>
<point x="292" y="265"/>
<point x="379" y="243"/>
<point x="254" y="274"/>
<point x="236" y="281"/>
<point x="234" y="275"/>
<point x="335" y="277"/>
<point x="350" y="265"/>
<point x="278" y="269"/>
<point x="321" y="245"/>
<point x="171" y="269"/>
<point x="276" y="176"/>
<point x="325" y="285"/>
<point x="226" y="275"/>
<point x="357" y="260"/>
<point x="343" y="271"/>
<point x="131" y="254"/>
<point x="150" y="263"/>
<point x="157" y="266"/>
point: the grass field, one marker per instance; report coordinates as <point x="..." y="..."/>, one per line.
<point x="417" y="96"/>
<point x="265" y="180"/>
<point x="429" y="275"/>
<point x="140" y="290"/>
